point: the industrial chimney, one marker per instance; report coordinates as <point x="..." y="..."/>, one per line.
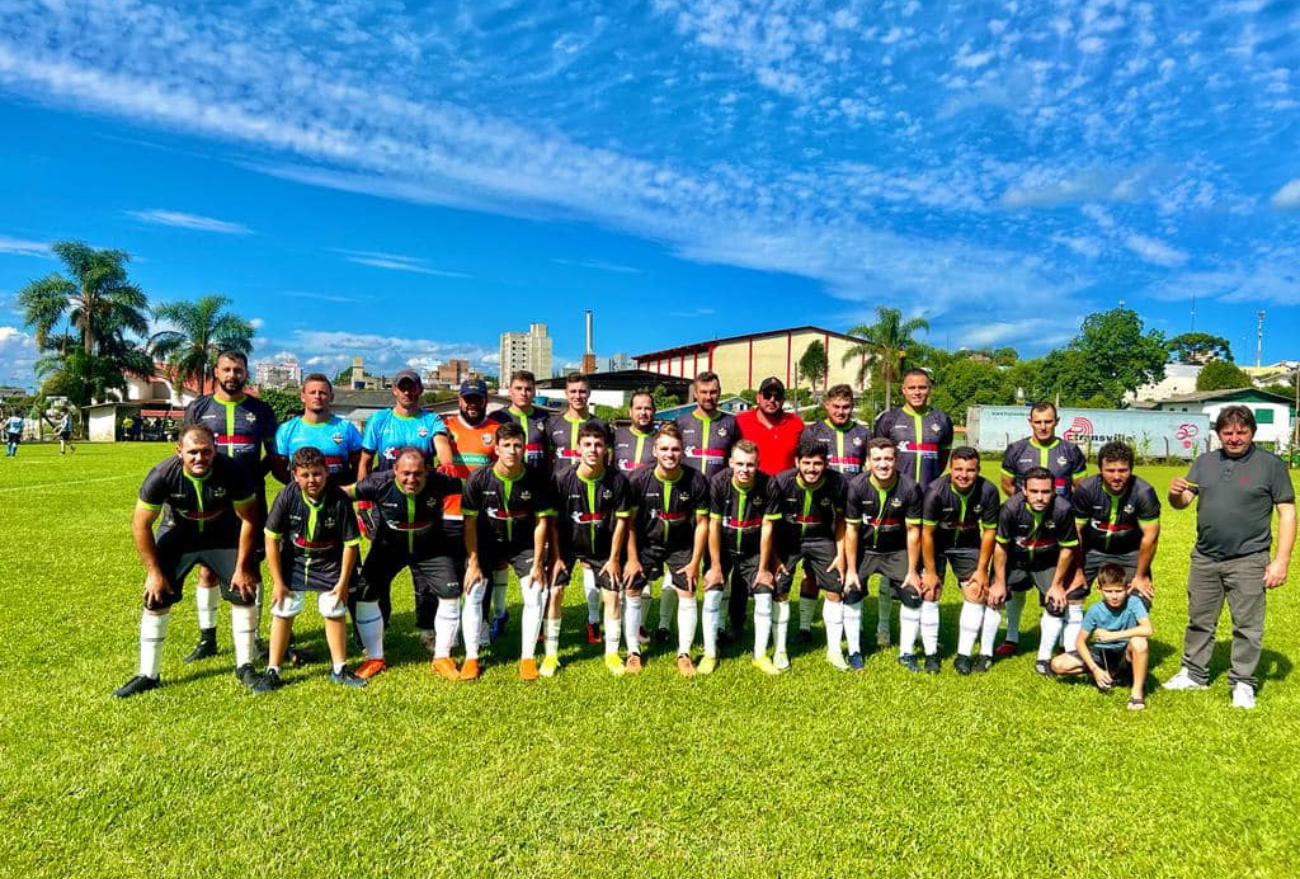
<point x="589" y="355"/>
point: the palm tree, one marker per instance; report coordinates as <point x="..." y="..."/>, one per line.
<point x="202" y="331"/>
<point x="98" y="300"/>
<point x="884" y="343"/>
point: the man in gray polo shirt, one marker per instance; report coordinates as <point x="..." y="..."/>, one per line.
<point x="1238" y="486"/>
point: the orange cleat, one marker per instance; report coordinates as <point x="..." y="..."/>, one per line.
<point x="633" y="664"/>
<point x="528" y="670"/>
<point x="593" y="633"/>
<point x="470" y="671"/>
<point x="370" y="668"/>
<point x="685" y="667"/>
<point x="445" y="666"/>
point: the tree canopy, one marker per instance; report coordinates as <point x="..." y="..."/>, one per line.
<point x="1199" y="348"/>
<point x="1220" y="375"/>
<point x="201" y="330"/>
<point x="883" y="345"/>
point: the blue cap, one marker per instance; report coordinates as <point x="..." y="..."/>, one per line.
<point x="473" y="388"/>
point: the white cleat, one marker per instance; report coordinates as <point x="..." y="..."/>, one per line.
<point x="836" y="658"/>
<point x="781" y="661"/>
<point x="1243" y="696"/>
<point x="1183" y="681"/>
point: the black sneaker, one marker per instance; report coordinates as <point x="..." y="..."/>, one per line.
<point x="247" y="675"/>
<point x="983" y="663"/>
<point x="260" y="650"/>
<point x="724" y="638"/>
<point x="932" y="665"/>
<point x="908" y="661"/>
<point x="137" y="684"/>
<point x="1044" y="668"/>
<point x="269" y="682"/>
<point x="347" y="678"/>
<point x="804" y="637"/>
<point x="663" y="636"/>
<point x="963" y="665"/>
<point x="206" y="647"/>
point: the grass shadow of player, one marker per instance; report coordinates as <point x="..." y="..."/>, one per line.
<point x="1273" y="666"/>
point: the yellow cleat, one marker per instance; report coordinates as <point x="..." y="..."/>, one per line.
<point x="550" y="665"/>
<point x="707" y="665"/>
<point x="614" y="664"/>
<point x="765" y="665"/>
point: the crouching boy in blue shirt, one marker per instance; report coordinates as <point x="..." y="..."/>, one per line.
<point x="1119" y="627"/>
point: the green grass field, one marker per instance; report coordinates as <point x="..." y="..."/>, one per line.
<point x="814" y="773"/>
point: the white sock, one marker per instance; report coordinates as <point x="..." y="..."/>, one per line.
<point x="762" y="623"/>
<point x="853" y="626"/>
<point x="930" y="627"/>
<point x="1049" y="628"/>
<point x="445" y="625"/>
<point x="370" y="623"/>
<point x="592" y="591"/>
<point x="884" y="606"/>
<point x="1073" y="623"/>
<point x="968" y="627"/>
<point x="531" y="618"/>
<point x="833" y="617"/>
<point x="667" y="604"/>
<point x="989" y="632"/>
<point x="207" y="601"/>
<point x="688" y="613"/>
<point x="500" y="580"/>
<point x="153" y="630"/>
<point x="807" y="613"/>
<point x="909" y="626"/>
<point x="1015" y="606"/>
<point x="471" y="619"/>
<point x="781" y="616"/>
<point x="611" y="630"/>
<point x="712" y="616"/>
<point x="632" y="623"/>
<point x="553" y="637"/>
<point x="338" y="667"/>
<point x="243" y="629"/>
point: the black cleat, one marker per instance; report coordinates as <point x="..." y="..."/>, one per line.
<point x="932" y="665"/>
<point x="963" y="665"/>
<point x="1044" y="668"/>
<point x="268" y="683"/>
<point x="248" y="675"/>
<point x="206" y="647"/>
<point x="300" y="656"/>
<point x="804" y="637"/>
<point x="663" y="636"/>
<point x="983" y="663"/>
<point x="908" y="661"/>
<point x="260" y="650"/>
<point x="137" y="684"/>
<point x="347" y="678"/>
<point x="724" y="638"/>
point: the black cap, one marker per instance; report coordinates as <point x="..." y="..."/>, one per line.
<point x="771" y="385"/>
<point x="407" y="375"/>
<point x="475" y="387"/>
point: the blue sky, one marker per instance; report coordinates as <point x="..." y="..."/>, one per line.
<point x="407" y="182"/>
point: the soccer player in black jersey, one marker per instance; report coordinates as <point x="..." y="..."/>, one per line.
<point x="882" y="513"/>
<point x="1043" y="448"/>
<point x="312" y="546"/>
<point x="805" y="521"/>
<point x="593" y="505"/>
<point x="1037" y="546"/>
<point x="672" y="529"/>
<point x="506" y="508"/>
<point x="959" y="518"/>
<point x="737" y="505"/>
<point x="244" y="430"/>
<point x="532" y="420"/>
<point x="209" y="510"/>
<point x="634" y="444"/>
<point x="407" y="503"/>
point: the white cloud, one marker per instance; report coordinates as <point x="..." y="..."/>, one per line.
<point x="195" y="222"/>
<point x="1288" y="197"/>
<point x="256" y="323"/>
<point x="1155" y="252"/>
<point x="23" y="247"/>
<point x="382" y="353"/>
<point x="598" y="265"/>
<point x="17" y="356"/>
<point x="397" y="262"/>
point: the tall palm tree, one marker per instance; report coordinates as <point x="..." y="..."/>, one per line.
<point x="98" y="300"/>
<point x="202" y="331"/>
<point x="884" y="343"/>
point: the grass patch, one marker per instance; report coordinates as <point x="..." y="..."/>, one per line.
<point x="814" y="773"/>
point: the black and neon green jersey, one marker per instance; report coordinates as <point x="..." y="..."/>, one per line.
<point x="1061" y="457"/>
<point x="846" y="447"/>
<point x="960" y="519"/>
<point x="667" y="509"/>
<point x="804" y="513"/>
<point x="201" y="506"/>
<point x="242" y="427"/>
<point x="707" y="441"/>
<point x="923" y="439"/>
<point x="588" y="509"/>
<point x="1112" y="523"/>
<point x="410" y="523"/>
<point x="562" y="436"/>
<point x="740" y="512"/>
<point x="506" y="509"/>
<point x="633" y="449"/>
<point x="1035" y="540"/>
<point x="537" y="450"/>
<point x="882" y="513"/>
<point x="313" y="532"/>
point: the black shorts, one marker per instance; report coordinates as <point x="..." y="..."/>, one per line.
<point x="1092" y="562"/>
<point x="817" y="556"/>
<point x="322" y="575"/>
<point x="65" y="435"/>
<point x="964" y="565"/>
<point x="439" y="575"/>
<point x="14" y="438"/>
<point x="1114" y="662"/>
<point x="739" y="572"/>
<point x="653" y="559"/>
<point x="521" y="562"/>
<point x="571" y="565"/>
<point x="178" y="554"/>
<point x="891" y="566"/>
<point x="1024" y="579"/>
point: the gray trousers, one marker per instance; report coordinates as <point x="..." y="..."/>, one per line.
<point x="1241" y="582"/>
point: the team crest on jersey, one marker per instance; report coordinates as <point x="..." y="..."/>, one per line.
<point x="606" y="494"/>
<point x="525" y="495"/>
<point x="936" y="428"/>
<point x="432" y="502"/>
<point x="896" y="502"/>
<point x="1128" y="509"/>
<point x="218" y="491"/>
<point x="1061" y="461"/>
<point x="826" y="502"/>
<point x="422" y="432"/>
<point x="487" y="438"/>
<point x="978" y="508"/>
<point x="337" y="439"/>
<point x="857" y="441"/>
<point x="251" y="418"/>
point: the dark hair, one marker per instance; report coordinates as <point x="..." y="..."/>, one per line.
<point x="202" y="430"/>
<point x="809" y="448"/>
<point x="707" y="376"/>
<point x="1111" y="574"/>
<point x="1038" y="473"/>
<point x="523" y="375"/>
<point x="591" y="428"/>
<point x="1115" y="451"/>
<point x="964" y="453"/>
<point x="840" y="392"/>
<point x="921" y="372"/>
<point x="232" y="354"/>
<point x="1043" y="406"/>
<point x="317" y="377"/>
<point x="309" y="456"/>
<point x="1235" y="414"/>
<point x="407" y="451"/>
<point x="642" y="392"/>
<point x="881" y="442"/>
<point x="510" y="430"/>
<point x="574" y="377"/>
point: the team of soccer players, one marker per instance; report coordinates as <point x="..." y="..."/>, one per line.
<point x="691" y="503"/>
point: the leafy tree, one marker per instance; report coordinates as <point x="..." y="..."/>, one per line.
<point x="344" y="378"/>
<point x="83" y="377"/>
<point x="883" y="344"/>
<point x="1220" y="375"/>
<point x="968" y="382"/>
<point x="1110" y="356"/>
<point x="203" y="329"/>
<point x="663" y="399"/>
<point x="813" y="365"/>
<point x="286" y="403"/>
<point x="1199" y="348"/>
<point x="98" y="300"/>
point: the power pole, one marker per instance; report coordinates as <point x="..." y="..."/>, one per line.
<point x="1259" y="342"/>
